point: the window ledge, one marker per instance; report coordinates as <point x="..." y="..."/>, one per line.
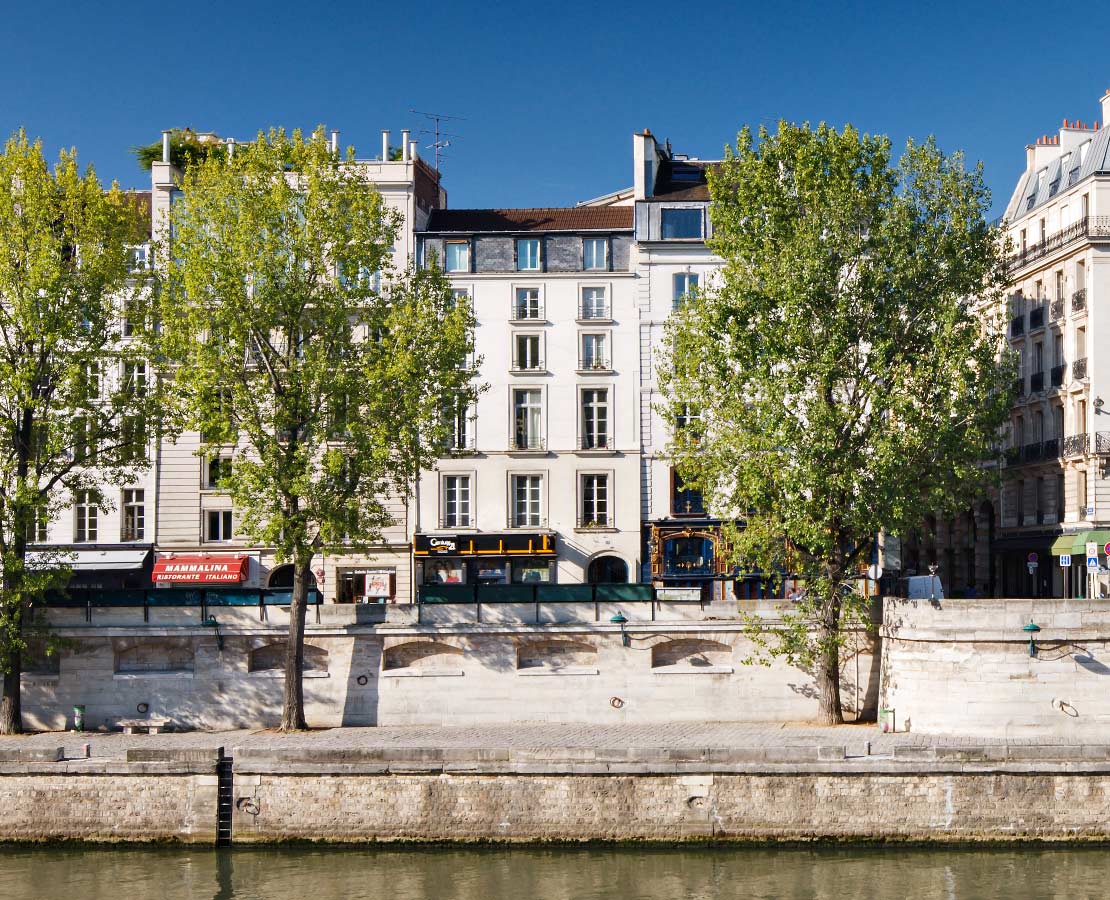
<point x="540" y="321"/>
<point x="596" y="451"/>
<point x="692" y="670"/>
<point x="594" y="320"/>
<point x="517" y="451"/>
<point x="540" y="371"/>
<point x="536" y="671"/>
<point x="135" y="676"/>
<point x="605" y="371"/>
<point x="600" y="529"/>
<point x="280" y="673"/>
<point x="422" y="673"/>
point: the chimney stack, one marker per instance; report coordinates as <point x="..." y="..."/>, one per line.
<point x="385" y="145"/>
<point x="231" y="148"/>
<point x="412" y="150"/>
<point x="404" y="145"/>
<point x="335" y="140"/>
<point x="165" y="146"/>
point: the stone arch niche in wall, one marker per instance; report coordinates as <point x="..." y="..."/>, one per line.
<point x="692" y="655"/>
<point x="271" y="658"/>
<point x="607" y="569"/>
<point x="165" y="656"/>
<point x="422" y="657"/>
<point x="556" y="656"/>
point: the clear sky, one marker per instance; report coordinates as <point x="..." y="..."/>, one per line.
<point x="549" y="93"/>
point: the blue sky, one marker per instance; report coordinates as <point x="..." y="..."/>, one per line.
<point x="549" y="93"/>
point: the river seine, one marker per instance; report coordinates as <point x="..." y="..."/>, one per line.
<point x="581" y="873"/>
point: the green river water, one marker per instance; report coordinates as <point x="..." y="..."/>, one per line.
<point x="581" y="873"/>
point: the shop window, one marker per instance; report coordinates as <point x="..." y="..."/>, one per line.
<point x="365" y="586"/>
<point x="444" y="571"/>
<point x="691" y="555"/>
<point x="531" y="571"/>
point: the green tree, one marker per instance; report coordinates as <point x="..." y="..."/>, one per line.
<point x="848" y="368"/>
<point x="76" y="403"/>
<point x="294" y="339"/>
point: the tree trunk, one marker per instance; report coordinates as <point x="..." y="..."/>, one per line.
<point x="292" y="714"/>
<point x="827" y="677"/>
<point x="11" y="709"/>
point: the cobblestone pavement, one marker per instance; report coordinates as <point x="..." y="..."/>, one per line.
<point x="678" y="736"/>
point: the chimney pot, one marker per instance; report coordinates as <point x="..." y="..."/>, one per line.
<point x="412" y="150"/>
<point x="385" y="145"/>
<point x="231" y="148"/>
<point x="165" y="146"/>
<point x="404" y="145"/>
<point x="335" y="140"/>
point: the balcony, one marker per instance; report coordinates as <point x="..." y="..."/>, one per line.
<point x="1036" y="382"/>
<point x="1032" y="453"/>
<point x="1019" y="387"/>
<point x="1094" y="228"/>
<point x="1075" y="445"/>
<point x="1079" y="300"/>
<point x="1051" y="449"/>
<point x="528" y="443"/>
<point x="595" y="364"/>
<point x="1102" y="443"/>
<point x="1058" y="374"/>
<point x="1056" y="310"/>
<point x="1079" y="369"/>
<point x="1036" y="317"/>
<point x="1017" y="326"/>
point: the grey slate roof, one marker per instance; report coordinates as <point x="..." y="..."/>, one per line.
<point x="1059" y="178"/>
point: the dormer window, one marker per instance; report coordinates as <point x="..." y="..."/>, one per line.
<point x="682" y="223"/>
<point x="528" y="254"/>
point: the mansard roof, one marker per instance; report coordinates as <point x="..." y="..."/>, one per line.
<point x="574" y="218"/>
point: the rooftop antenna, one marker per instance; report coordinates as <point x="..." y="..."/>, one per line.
<point x="442" y="139"/>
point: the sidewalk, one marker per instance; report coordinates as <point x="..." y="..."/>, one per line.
<point x="858" y="740"/>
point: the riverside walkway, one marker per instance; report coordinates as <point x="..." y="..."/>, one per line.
<point x="555" y="741"/>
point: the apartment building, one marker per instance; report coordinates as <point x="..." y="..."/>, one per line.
<point x="541" y="482"/>
<point x="1055" y="498"/>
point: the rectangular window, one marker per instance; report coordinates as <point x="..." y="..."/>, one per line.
<point x="594" y="303"/>
<point x="685" y="501"/>
<point x="86" y="513"/>
<point x="85" y="439"/>
<point x="527" y="491"/>
<point x="526" y="305"/>
<point x="595" y="352"/>
<point x="133" y="438"/>
<point x="688" y="417"/>
<point x="594" y="511"/>
<point x="595" y="419"/>
<point x="526" y="352"/>
<point x="527" y="418"/>
<point x="681" y="224"/>
<point x="37" y="527"/>
<point x="1021" y="503"/>
<point x="134" y="378"/>
<point x="684" y="284"/>
<point x="460" y="296"/>
<point x="460" y="420"/>
<point x="134" y="515"/>
<point x="528" y="254"/>
<point x="217" y="467"/>
<point x="457" y="256"/>
<point x="1060" y="285"/>
<point x="132" y="316"/>
<point x="138" y="257"/>
<point x="456" y="501"/>
<point x="218" y="525"/>
<point x="595" y="253"/>
<point x="1039" y="501"/>
<point x="1059" y="498"/>
<point x="91" y="379"/>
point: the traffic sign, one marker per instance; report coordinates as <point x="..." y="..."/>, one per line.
<point x="1092" y="548"/>
<point x="1106" y="549"/>
<point x="1092" y="562"/>
<point x="1032" y="558"/>
<point x="1065" y="560"/>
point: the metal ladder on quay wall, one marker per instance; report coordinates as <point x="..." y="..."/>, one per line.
<point x="225" y="799"/>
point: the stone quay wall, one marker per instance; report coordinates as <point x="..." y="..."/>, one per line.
<point x="512" y="797"/>
<point x="687" y="665"/>
<point x="964" y="667"/>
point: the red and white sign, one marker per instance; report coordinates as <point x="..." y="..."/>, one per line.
<point x="201" y="569"/>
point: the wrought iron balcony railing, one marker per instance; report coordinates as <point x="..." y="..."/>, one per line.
<point x="1075" y="445"/>
<point x="1102" y="443"/>
<point x="1058" y="374"/>
<point x="1056" y="310"/>
<point x="1051" y="448"/>
<point x="1019" y="387"/>
<point x="1031" y="452"/>
<point x="1092" y="228"/>
<point x="1036" y="382"/>
<point x="1036" y="318"/>
<point x="1079" y="369"/>
<point x="527" y="442"/>
<point x="1079" y="300"/>
<point x="1017" y="326"/>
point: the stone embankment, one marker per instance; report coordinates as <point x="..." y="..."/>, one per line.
<point x="840" y="784"/>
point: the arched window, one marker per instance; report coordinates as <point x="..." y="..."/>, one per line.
<point x="607" y="570"/>
<point x="281" y="578"/>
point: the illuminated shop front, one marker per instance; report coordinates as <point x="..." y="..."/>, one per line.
<point x="481" y="559"/>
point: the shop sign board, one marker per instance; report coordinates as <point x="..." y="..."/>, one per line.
<point x="1065" y="560"/>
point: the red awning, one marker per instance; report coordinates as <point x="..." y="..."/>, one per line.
<point x="201" y="569"/>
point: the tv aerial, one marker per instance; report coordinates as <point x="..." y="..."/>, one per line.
<point x="441" y="139"/>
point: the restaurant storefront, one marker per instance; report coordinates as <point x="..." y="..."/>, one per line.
<point x="485" y="559"/>
<point x="99" y="568"/>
